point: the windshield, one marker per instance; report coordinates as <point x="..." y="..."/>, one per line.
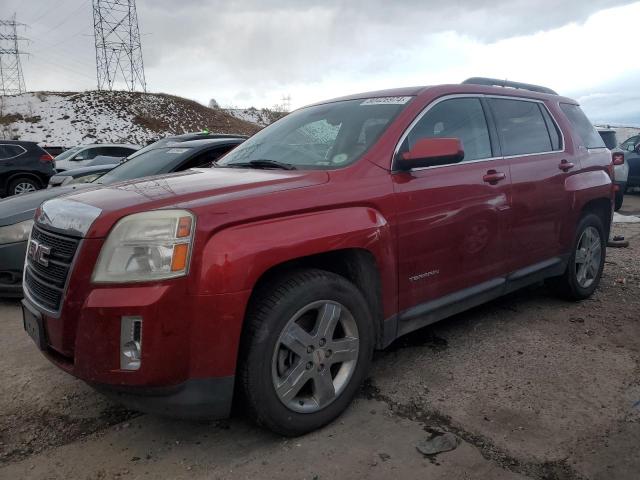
<point x="69" y="153"/>
<point x="324" y="136"/>
<point x="144" y="164"/>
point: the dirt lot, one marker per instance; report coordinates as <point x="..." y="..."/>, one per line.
<point x="534" y="387"/>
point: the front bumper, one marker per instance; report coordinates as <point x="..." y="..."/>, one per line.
<point x="189" y="345"/>
<point x="11" y="266"/>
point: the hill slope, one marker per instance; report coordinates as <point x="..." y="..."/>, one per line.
<point x="67" y="118"/>
<point x="261" y="117"/>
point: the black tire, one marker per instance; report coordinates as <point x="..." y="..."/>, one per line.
<point x="21" y="182"/>
<point x="271" y="310"/>
<point x="619" y="199"/>
<point x="567" y="285"/>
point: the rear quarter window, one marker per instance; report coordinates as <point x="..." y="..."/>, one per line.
<point x="581" y="125"/>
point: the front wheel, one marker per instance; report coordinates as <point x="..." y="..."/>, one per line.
<point x="306" y="350"/>
<point x="586" y="263"/>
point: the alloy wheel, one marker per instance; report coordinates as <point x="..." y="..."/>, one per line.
<point x="588" y="257"/>
<point x="315" y="356"/>
<point x="24" y="187"/>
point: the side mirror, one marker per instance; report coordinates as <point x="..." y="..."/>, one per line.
<point x="617" y="158"/>
<point x="430" y="152"/>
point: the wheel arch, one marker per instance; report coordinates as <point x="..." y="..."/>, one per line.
<point x="30" y="175"/>
<point x="602" y="208"/>
<point x="357" y="265"/>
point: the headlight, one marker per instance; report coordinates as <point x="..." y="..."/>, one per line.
<point x="17" y="232"/>
<point x="147" y="246"/>
<point x="84" y="179"/>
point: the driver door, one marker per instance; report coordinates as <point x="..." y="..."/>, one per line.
<point x="453" y="220"/>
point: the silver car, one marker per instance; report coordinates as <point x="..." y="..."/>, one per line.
<point x="83" y="155"/>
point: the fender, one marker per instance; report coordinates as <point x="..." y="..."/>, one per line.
<point x="234" y="258"/>
<point x="584" y="187"/>
<point x="587" y="186"/>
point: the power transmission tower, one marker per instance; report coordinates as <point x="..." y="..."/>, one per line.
<point x="286" y="102"/>
<point x="118" y="48"/>
<point x="11" y="79"/>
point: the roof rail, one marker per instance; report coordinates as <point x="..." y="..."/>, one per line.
<point x="494" y="82"/>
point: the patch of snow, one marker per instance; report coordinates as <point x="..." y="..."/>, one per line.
<point x="261" y="117"/>
<point x="617" y="218"/>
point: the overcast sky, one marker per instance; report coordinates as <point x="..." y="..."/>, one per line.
<point x="245" y="53"/>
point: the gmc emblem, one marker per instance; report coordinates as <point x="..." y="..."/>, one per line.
<point x="39" y="253"/>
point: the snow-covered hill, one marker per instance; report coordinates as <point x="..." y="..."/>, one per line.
<point x="68" y="119"/>
<point x="261" y="117"/>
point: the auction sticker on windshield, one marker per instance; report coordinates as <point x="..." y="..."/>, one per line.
<point x="178" y="150"/>
<point x="386" y="101"/>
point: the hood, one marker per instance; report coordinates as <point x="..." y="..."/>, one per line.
<point x="19" y="208"/>
<point x="195" y="188"/>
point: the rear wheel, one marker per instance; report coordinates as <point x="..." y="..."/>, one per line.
<point x="306" y="350"/>
<point x="22" y="185"/>
<point x="584" y="269"/>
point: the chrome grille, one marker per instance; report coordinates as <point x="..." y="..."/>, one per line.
<point x="45" y="284"/>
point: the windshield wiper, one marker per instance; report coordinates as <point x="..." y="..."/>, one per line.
<point x="262" y="163"/>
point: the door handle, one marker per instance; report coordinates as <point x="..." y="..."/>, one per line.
<point x="492" y="177"/>
<point x="565" y="165"/>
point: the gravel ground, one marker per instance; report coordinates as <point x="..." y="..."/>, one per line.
<point x="534" y="387"/>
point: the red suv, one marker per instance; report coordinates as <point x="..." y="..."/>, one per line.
<point x="272" y="277"/>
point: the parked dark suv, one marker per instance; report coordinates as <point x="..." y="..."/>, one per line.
<point x="332" y="232"/>
<point x="631" y="148"/>
<point x="24" y="167"/>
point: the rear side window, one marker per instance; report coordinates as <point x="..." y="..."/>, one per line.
<point x="522" y="127"/>
<point x="11" y="151"/>
<point x="461" y="118"/>
<point x="582" y="126"/>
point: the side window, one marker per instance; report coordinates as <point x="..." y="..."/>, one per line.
<point x="11" y="151"/>
<point x="206" y="159"/>
<point x="521" y="127"/>
<point x="122" y="152"/>
<point x="554" y="131"/>
<point x="82" y="155"/>
<point x="461" y="118"/>
<point x="582" y="126"/>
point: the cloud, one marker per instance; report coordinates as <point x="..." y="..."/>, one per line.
<point x="255" y="51"/>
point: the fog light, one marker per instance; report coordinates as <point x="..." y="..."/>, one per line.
<point x="130" y="343"/>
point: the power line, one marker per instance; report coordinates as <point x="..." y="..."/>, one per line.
<point x="117" y="42"/>
<point x="53" y="6"/>
<point x="65" y="19"/>
<point x="11" y="78"/>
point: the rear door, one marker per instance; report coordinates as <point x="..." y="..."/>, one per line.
<point x="452" y="219"/>
<point x="532" y="143"/>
